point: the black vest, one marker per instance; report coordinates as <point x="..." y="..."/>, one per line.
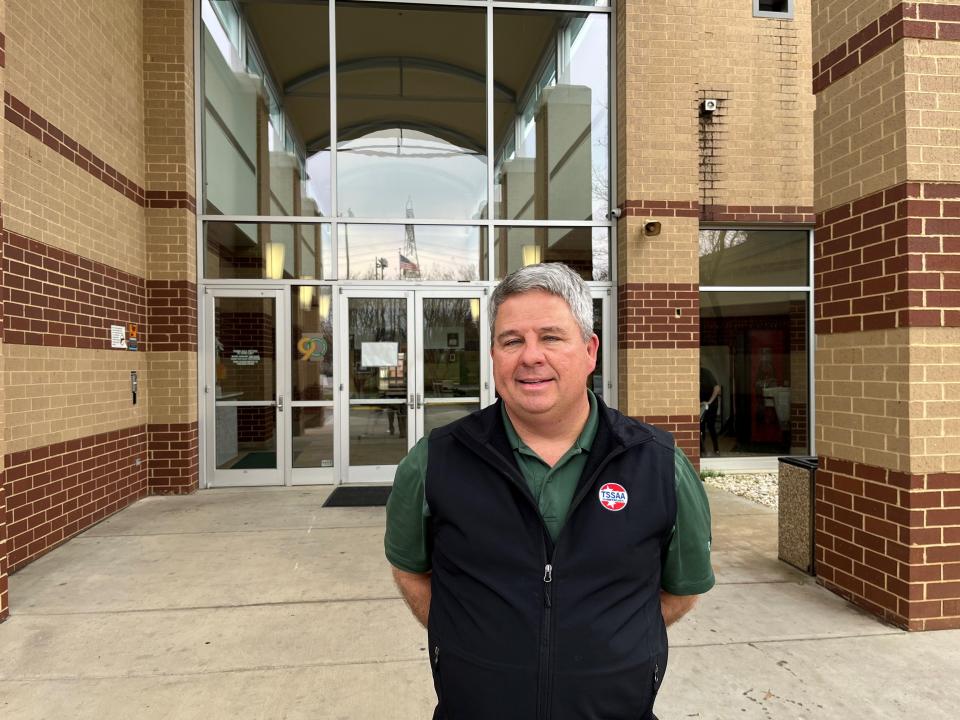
<point x="524" y="628"/>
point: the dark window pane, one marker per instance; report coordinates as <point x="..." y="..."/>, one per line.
<point x="586" y="250"/>
<point x="754" y="346"/>
<point x="754" y="257"/>
<point x="252" y="251"/>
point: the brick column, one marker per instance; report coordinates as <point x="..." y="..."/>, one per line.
<point x="657" y="181"/>
<point x="4" y="603"/>
<point x="173" y="436"/>
<point x="887" y="273"/>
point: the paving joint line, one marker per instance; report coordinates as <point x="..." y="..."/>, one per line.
<point x="279" y="603"/>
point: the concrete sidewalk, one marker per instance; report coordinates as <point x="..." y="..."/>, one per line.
<point x="262" y="604"/>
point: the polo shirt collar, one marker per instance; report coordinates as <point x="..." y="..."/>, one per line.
<point x="583" y="442"/>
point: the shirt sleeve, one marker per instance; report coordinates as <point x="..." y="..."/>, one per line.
<point x="686" y="566"/>
<point x="405" y="540"/>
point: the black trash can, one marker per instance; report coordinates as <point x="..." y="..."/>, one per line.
<point x="796" y="492"/>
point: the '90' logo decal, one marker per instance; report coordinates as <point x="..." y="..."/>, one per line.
<point x="613" y="497"/>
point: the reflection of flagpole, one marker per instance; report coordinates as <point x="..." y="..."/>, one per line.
<point x="346" y="241"/>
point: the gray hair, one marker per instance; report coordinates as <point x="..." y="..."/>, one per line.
<point x="554" y="278"/>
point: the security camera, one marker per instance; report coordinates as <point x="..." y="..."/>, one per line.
<point x="708" y="106"/>
<point x="615" y="213"/>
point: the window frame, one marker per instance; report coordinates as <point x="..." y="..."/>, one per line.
<point x="787" y="14"/>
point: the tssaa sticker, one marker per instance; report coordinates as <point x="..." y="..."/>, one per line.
<point x="613" y="497"/>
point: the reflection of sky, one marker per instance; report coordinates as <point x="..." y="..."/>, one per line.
<point x="445" y="252"/>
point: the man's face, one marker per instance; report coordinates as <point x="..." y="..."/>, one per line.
<point x="540" y="360"/>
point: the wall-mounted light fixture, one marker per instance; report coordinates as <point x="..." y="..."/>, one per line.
<point x="531" y="254"/>
<point x="273" y="259"/>
<point x="651" y="229"/>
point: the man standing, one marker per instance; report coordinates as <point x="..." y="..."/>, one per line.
<point x="546" y="541"/>
<point x="709" y="392"/>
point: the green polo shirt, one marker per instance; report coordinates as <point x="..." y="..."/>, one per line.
<point x="686" y="564"/>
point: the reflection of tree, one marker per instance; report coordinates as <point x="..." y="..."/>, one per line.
<point x="712" y="245"/>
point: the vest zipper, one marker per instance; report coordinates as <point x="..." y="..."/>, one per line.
<point x="546" y="647"/>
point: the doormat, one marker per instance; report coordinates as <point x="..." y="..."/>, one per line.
<point x="256" y="461"/>
<point x="368" y="496"/>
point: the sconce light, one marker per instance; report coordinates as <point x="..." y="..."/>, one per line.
<point x="475" y="311"/>
<point x="324" y="303"/>
<point x="531" y="254"/>
<point x="306" y="293"/>
<point x="273" y="257"/>
<point x="651" y="229"/>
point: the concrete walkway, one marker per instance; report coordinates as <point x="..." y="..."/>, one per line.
<point x="262" y="604"/>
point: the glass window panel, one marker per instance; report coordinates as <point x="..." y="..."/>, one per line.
<point x="246" y="438"/>
<point x="440" y="414"/>
<point x="754" y="257"/>
<point x="246" y="362"/>
<point x="312" y="437"/>
<point x="267" y="124"/>
<point x="378" y="434"/>
<point x="451" y="347"/>
<point x="412" y="252"/>
<point x="267" y="251"/>
<point x="551" y="115"/>
<point x="311" y="335"/>
<point x="378" y="348"/>
<point x="754" y="346"/>
<point x="411" y="111"/>
<point x="585" y="249"/>
<point x="595" y="380"/>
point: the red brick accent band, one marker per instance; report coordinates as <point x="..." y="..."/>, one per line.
<point x="890" y="541"/>
<point x="174" y="464"/>
<point x="924" y="21"/>
<point x="19" y="113"/>
<point x="773" y="214"/>
<point x="59" y="299"/>
<point x="658" y="315"/>
<point x="172" y="315"/>
<point x="3" y="64"/>
<point x="891" y="259"/>
<point x="661" y="208"/>
<point x="685" y="430"/>
<point x="57" y="491"/>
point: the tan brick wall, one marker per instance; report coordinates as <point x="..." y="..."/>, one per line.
<point x="670" y="257"/>
<point x="659" y="382"/>
<point x="932" y="85"/>
<point x="840" y="19"/>
<point x="4" y="605"/>
<point x="78" y="63"/>
<point x="890" y="398"/>
<point x="50" y="199"/>
<point x="762" y="150"/>
<point x="861" y="136"/>
<point x="59" y="394"/>
<point x="173" y="387"/>
<point x="171" y="243"/>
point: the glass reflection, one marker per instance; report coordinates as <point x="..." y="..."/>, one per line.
<point x="438" y="415"/>
<point x="411" y="118"/>
<point x="595" y="380"/>
<point x="753" y="345"/>
<point x="246" y="438"/>
<point x="451" y="347"/>
<point x="312" y="437"/>
<point x="271" y="251"/>
<point x="552" y="132"/>
<point x="312" y="342"/>
<point x="245" y="335"/>
<point x="261" y="126"/>
<point x="378" y="348"/>
<point x="586" y="250"/>
<point x="754" y="257"/>
<point x="378" y="434"/>
<point x="411" y="252"/>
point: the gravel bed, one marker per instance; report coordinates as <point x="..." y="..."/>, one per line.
<point x="759" y="487"/>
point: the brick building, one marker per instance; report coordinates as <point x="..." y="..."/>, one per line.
<point x="250" y="242"/>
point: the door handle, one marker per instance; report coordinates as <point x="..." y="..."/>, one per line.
<point x="280" y="404"/>
<point x="410" y="402"/>
<point x="419" y="401"/>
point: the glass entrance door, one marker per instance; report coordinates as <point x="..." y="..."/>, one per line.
<point x="412" y="361"/>
<point x="243" y="396"/>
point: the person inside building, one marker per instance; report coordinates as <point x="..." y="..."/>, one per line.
<point x="546" y="541"/>
<point x="709" y="404"/>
